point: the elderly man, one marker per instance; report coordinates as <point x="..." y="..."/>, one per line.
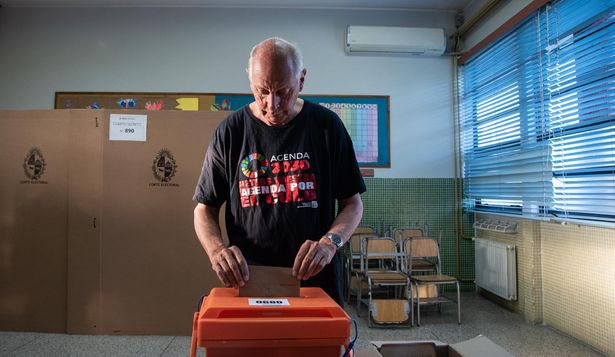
<point x="280" y="163"/>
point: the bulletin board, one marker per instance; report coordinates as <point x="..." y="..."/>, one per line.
<point x="366" y="117"/>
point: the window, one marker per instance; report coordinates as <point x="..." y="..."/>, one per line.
<point x="538" y="116"/>
<point x="581" y="88"/>
<point x="503" y="149"/>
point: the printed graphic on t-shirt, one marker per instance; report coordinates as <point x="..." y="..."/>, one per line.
<point x="279" y="178"/>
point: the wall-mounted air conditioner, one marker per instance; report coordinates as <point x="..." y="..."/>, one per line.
<point x="395" y="40"/>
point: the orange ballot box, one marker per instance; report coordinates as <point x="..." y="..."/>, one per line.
<point x="311" y="324"/>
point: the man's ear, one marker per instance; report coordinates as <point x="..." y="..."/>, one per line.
<point x="302" y="79"/>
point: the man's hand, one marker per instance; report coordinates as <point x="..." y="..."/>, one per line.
<point x="312" y="257"/>
<point x="230" y="266"/>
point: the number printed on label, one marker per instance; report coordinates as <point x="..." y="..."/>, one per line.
<point x="128" y="127"/>
<point x="268" y="302"/>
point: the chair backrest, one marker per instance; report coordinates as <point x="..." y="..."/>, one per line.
<point x="421" y="248"/>
<point x="400" y="234"/>
<point x="355" y="241"/>
<point x="364" y="229"/>
<point x="424" y="247"/>
<point x="354" y="249"/>
<point x="382" y="249"/>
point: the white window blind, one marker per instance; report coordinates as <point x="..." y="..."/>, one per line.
<point x="501" y="107"/>
<point x="538" y="116"/>
<point x="581" y="96"/>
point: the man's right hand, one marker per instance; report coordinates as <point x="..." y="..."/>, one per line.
<point x="230" y="266"/>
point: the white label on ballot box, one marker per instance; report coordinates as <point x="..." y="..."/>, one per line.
<point x="128" y="127"/>
<point x="268" y="302"/>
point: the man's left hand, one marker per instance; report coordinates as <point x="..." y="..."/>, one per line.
<point x="312" y="257"/>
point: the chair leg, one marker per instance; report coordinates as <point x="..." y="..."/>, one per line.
<point x="369" y="304"/>
<point x="348" y="281"/>
<point x="458" y="304"/>
<point x="411" y="298"/>
<point x="439" y="295"/>
<point x="359" y="293"/>
<point x="418" y="305"/>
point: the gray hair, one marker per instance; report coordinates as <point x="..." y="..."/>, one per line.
<point x="281" y="46"/>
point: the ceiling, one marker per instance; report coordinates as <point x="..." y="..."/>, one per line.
<point x="442" y="5"/>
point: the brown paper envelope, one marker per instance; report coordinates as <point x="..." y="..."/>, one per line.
<point x="270" y="282"/>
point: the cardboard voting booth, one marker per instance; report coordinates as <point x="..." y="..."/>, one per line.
<point x="311" y="324"/>
<point x="96" y="225"/>
<point x="150" y="265"/>
<point x="33" y="212"/>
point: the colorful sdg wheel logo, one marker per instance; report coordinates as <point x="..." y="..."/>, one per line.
<point x="254" y="165"/>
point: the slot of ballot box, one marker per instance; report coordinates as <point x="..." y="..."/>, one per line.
<point x="274" y="313"/>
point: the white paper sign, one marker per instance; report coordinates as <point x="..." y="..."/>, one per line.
<point x="128" y="127"/>
<point x="268" y="302"/>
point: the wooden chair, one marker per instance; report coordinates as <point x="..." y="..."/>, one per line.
<point x="400" y="234"/>
<point x="354" y="269"/>
<point x="427" y="248"/>
<point x="364" y="229"/>
<point x="385" y="274"/>
<point x="351" y="253"/>
<point x="419" y="264"/>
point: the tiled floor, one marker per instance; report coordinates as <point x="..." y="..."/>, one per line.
<point x="479" y="316"/>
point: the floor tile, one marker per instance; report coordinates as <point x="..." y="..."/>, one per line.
<point x="79" y="345"/>
<point x="10" y="341"/>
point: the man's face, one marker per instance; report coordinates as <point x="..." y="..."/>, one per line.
<point x="275" y="87"/>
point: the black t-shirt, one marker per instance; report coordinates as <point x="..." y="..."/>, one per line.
<point x="280" y="183"/>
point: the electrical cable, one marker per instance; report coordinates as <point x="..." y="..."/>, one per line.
<point x="200" y="302"/>
<point x="351" y="344"/>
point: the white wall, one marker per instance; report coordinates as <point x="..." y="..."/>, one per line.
<point x="498" y="16"/>
<point x="44" y="50"/>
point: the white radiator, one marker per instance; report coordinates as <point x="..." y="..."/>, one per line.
<point x="496" y="267"/>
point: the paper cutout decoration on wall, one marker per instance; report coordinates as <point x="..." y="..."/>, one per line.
<point x="225" y="105"/>
<point x="154" y="105"/>
<point x="187" y="103"/>
<point x="128" y="103"/>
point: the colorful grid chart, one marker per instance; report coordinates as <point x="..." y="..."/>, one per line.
<point x="361" y="121"/>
